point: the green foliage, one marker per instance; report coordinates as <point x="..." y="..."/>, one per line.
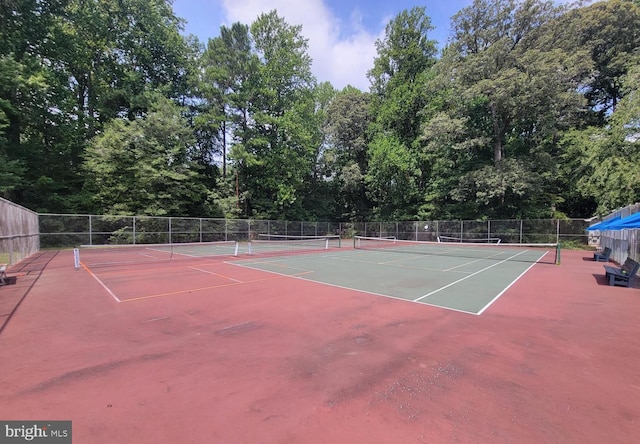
<point x="604" y="162"/>
<point x="391" y="178"/>
<point x="609" y="31"/>
<point x="143" y="166"/>
<point x="532" y="110"/>
<point x="399" y="80"/>
<point x="347" y="123"/>
<point x="68" y="67"/>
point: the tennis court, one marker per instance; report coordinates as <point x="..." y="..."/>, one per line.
<point x="320" y="343"/>
<point x="462" y="277"/>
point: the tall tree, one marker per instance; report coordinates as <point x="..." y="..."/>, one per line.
<point x="319" y="191"/>
<point x="609" y="31"/>
<point x="401" y="68"/>
<point x="144" y="166"/>
<point x="229" y="65"/>
<point x="277" y="153"/>
<point x="513" y="94"/>
<point x="80" y="63"/>
<point x="603" y="162"/>
<point x="347" y="128"/>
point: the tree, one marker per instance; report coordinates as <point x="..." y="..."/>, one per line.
<point x="276" y="153"/>
<point x="229" y="65"/>
<point x="144" y="166"/>
<point x="320" y="196"/>
<point x="390" y="179"/>
<point x="609" y="31"/>
<point x="347" y="129"/>
<point x="398" y="79"/>
<point x="603" y="161"/>
<point x="73" y="65"/>
<point x="512" y="95"/>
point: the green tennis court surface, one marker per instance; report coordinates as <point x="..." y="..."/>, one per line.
<point x="452" y="277"/>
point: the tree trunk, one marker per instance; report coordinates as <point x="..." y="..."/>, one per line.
<point x="497" y="136"/>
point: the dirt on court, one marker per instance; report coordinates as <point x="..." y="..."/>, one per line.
<point x="276" y="359"/>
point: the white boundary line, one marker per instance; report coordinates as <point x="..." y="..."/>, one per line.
<point x="248" y="264"/>
<point x="101" y="283"/>
<point x="397" y="298"/>
<point x="468" y="276"/>
<point x="507" y="287"/>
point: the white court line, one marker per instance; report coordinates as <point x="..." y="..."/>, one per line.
<point x="467" y="277"/>
<point x="101" y="283"/>
<point x="473" y="262"/>
<point x="215" y="274"/>
<point x="397" y="298"/>
<point x="508" y="286"/>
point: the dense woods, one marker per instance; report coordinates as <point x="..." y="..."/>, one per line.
<point x="531" y="110"/>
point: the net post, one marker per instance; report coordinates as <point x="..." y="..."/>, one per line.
<point x="237" y="247"/>
<point x="90" y="231"/>
<point x="558" y="248"/>
<point x="76" y="258"/>
<point x="249" y="246"/>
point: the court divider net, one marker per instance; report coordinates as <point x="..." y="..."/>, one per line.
<point x="122" y="254"/>
<point x="273" y="243"/>
<point x="543" y="253"/>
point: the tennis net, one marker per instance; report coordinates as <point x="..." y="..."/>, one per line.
<point x="273" y="243"/>
<point x="487" y="240"/>
<point x="543" y="253"/>
<point x="110" y="255"/>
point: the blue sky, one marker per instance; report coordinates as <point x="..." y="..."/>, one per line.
<point x="341" y="33"/>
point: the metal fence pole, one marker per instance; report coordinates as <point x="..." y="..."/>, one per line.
<point x="520" y="230"/>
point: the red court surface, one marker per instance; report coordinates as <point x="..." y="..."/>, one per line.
<point x="252" y="357"/>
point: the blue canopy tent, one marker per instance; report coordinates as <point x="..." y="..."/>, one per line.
<point x="626" y="223"/>
<point x="604" y="225"/>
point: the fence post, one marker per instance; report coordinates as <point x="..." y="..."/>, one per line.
<point x="133" y="230"/>
<point x="90" y="231"/>
<point x="520" y="230"/>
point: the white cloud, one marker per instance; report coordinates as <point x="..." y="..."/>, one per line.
<point x="342" y="53"/>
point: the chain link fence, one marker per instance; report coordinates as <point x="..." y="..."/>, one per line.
<point x="69" y="230"/>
